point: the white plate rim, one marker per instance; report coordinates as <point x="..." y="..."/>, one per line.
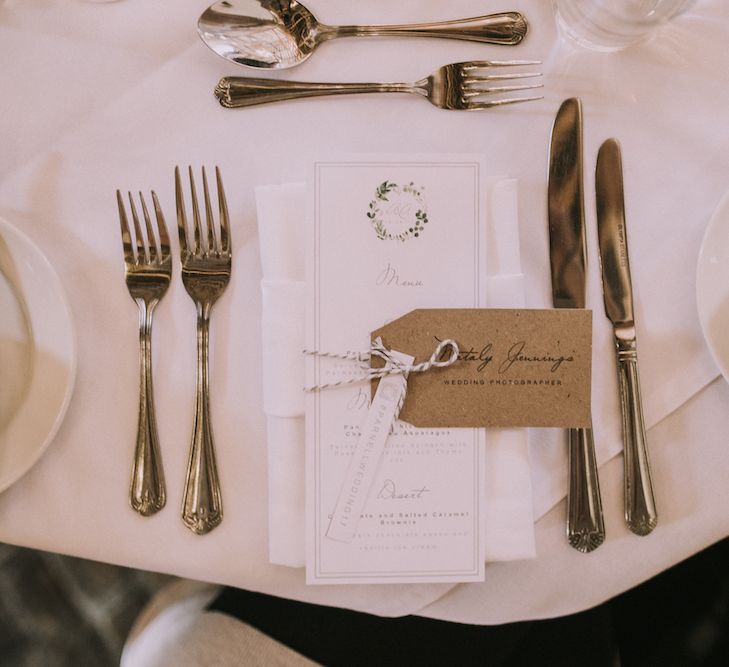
<point x="39" y="258"/>
<point x="720" y="212"/>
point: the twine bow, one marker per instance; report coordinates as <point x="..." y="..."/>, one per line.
<point x="393" y="366"/>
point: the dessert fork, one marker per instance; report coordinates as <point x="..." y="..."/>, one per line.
<point x="147" y="271"/>
<point x="455" y="86"/>
<point x="206" y="268"/>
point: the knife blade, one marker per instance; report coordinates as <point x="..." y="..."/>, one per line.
<point x="568" y="261"/>
<point x="640" y="507"/>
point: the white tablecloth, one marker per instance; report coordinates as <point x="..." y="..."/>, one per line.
<point x="100" y="96"/>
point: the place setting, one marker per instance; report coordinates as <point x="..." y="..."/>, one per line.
<point x="239" y="32"/>
<point x="393" y="342"/>
<point x="533" y="366"/>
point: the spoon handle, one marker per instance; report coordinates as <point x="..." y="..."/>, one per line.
<point x="233" y="91"/>
<point x="504" y="28"/>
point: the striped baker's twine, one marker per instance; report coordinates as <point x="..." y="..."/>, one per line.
<point x="392" y="365"/>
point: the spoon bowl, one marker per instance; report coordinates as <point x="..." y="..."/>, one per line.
<point x="278" y="34"/>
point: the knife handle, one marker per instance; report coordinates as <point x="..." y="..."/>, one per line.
<point x="585" y="523"/>
<point x="640" y="506"/>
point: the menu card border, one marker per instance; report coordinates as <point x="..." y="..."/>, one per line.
<point x="479" y="260"/>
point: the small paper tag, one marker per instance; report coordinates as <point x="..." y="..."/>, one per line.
<point x="520" y="368"/>
<point x="371" y="444"/>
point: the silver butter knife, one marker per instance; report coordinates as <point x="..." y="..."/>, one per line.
<point x="640" y="506"/>
<point x="568" y="260"/>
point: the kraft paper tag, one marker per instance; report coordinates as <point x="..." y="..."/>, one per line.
<point x="516" y="367"/>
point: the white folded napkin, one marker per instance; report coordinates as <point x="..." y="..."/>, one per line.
<point x="509" y="508"/>
<point x="509" y="518"/>
<point x="282" y="320"/>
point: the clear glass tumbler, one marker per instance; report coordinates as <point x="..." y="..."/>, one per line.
<point x="611" y="25"/>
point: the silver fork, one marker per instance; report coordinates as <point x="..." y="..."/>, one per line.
<point x="147" y="271"/>
<point x="455" y="86"/>
<point x="206" y="267"/>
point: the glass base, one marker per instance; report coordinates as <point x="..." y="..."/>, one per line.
<point x="586" y="33"/>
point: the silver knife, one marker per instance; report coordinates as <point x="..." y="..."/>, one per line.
<point x="640" y="506"/>
<point x="568" y="259"/>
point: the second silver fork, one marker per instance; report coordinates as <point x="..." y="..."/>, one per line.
<point x="206" y="268"/>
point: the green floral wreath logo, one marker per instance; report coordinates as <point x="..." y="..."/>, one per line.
<point x="398" y="212"/>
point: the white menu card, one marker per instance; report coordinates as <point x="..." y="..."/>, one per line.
<point x="389" y="235"/>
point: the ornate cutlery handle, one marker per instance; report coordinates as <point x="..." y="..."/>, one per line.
<point x="202" y="505"/>
<point x="504" y="28"/>
<point x="147" y="490"/>
<point x="640" y="505"/>
<point x="237" y="91"/>
<point x="585" y="524"/>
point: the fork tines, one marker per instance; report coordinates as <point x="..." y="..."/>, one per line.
<point x="477" y="72"/>
<point x="208" y="243"/>
<point x="153" y="248"/>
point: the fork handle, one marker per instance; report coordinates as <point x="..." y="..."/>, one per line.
<point x="585" y="523"/>
<point x="147" y="490"/>
<point x="202" y="505"/>
<point x="507" y="28"/>
<point x="237" y="91"/>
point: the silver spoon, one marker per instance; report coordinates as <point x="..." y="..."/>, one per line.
<point x="277" y="34"/>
